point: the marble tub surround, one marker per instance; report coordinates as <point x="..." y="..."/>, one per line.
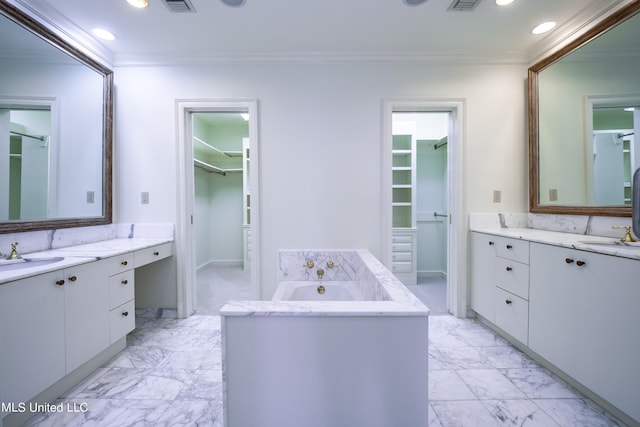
<point x="327" y="362"/>
<point x="372" y="278"/>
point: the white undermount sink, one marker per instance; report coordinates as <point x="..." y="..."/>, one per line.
<point x="18" y="264"/>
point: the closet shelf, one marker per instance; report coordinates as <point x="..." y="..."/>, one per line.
<point x="227" y="153"/>
<point x="213" y="169"/>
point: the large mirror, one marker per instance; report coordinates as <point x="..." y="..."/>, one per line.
<point x="584" y="115"/>
<point x="55" y="130"/>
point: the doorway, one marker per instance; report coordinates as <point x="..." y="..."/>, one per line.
<point x="216" y="240"/>
<point x="425" y="236"/>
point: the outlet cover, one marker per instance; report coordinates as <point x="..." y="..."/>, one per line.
<point x="497" y="196"/>
<point x="90" y="196"/>
<point x="144" y="197"/>
<point x="553" y="195"/>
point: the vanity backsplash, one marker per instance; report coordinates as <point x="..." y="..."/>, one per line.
<point x="577" y="224"/>
<point x="36" y="241"/>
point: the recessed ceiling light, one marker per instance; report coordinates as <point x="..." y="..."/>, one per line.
<point x="234" y="3"/>
<point x="503" y="2"/>
<point x="103" y="34"/>
<point x="414" y="2"/>
<point x="543" y="28"/>
<point x="138" y="3"/>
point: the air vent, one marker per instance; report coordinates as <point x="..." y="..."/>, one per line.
<point x="179" y="6"/>
<point x="463" y="5"/>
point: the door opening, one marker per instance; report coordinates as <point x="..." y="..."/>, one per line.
<point x="218" y="217"/>
<point x="425" y="236"/>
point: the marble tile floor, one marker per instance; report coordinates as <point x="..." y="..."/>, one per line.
<point x="170" y="375"/>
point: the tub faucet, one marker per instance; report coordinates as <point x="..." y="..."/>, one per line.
<point x="320" y="273"/>
<point x="14" y="253"/>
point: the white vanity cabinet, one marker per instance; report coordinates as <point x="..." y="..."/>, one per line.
<point x="500" y="282"/>
<point x="483" y="276"/>
<point x="32" y="336"/>
<point x="121" y="296"/>
<point x="86" y="312"/>
<point x="584" y="319"/>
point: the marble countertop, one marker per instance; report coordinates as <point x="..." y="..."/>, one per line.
<point x="321" y="308"/>
<point x="75" y="255"/>
<point x="583" y="242"/>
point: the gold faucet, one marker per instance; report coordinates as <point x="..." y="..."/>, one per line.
<point x="627" y="236"/>
<point x="14" y="253"/>
<point x="320" y="273"/>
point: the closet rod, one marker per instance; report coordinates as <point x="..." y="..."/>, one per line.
<point x="207" y="167"/>
<point x="626" y="134"/>
<point x="435" y="147"/>
<point x="41" y="138"/>
<point x="436" y="214"/>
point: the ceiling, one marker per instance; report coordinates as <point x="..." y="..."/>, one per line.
<point x="326" y="29"/>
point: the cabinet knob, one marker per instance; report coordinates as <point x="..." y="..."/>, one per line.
<point x="491" y="243"/>
<point x="580" y="263"/>
<point x="568" y="260"/>
<point x="508" y="301"/>
<point x="60" y="282"/>
<point x="509" y="269"/>
<point x="73" y="278"/>
<point x="125" y="313"/>
<point x="156" y="253"/>
<point x="509" y="247"/>
<point x="125" y="281"/>
<point x="124" y="263"/>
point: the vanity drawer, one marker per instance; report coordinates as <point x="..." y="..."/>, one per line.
<point x="513" y="276"/>
<point x="152" y="254"/>
<point x="121" y="288"/>
<point x="122" y="320"/>
<point x="514" y="249"/>
<point x="120" y="263"/>
<point x="512" y="315"/>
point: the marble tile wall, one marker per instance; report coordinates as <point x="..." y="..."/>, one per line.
<point x="35" y="241"/>
<point x="577" y="224"/>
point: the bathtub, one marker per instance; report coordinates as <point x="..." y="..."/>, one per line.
<point x="355" y="355"/>
<point x="311" y="291"/>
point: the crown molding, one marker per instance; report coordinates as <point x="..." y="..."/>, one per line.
<point x="589" y="17"/>
<point x="136" y="60"/>
<point x="65" y="29"/>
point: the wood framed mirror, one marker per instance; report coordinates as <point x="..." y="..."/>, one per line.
<point x="56" y="130"/>
<point x="589" y="88"/>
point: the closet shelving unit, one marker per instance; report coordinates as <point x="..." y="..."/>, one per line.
<point x="403" y="188"/>
<point x="212" y="168"/>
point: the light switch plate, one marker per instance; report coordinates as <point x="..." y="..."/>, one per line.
<point x="553" y="195"/>
<point x="497" y="196"/>
<point x="144" y="197"/>
<point x="90" y="196"/>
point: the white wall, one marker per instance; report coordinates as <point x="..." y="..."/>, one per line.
<point x="320" y="143"/>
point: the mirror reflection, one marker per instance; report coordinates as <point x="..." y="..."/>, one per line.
<point x="54" y="140"/>
<point x="587" y="119"/>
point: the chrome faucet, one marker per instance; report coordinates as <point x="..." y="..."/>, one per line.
<point x="14" y="253"/>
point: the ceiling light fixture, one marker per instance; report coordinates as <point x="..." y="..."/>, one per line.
<point x="414" y="2"/>
<point x="234" y="3"/>
<point x="103" y="34"/>
<point x="543" y="28"/>
<point x="503" y="2"/>
<point x="138" y="3"/>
